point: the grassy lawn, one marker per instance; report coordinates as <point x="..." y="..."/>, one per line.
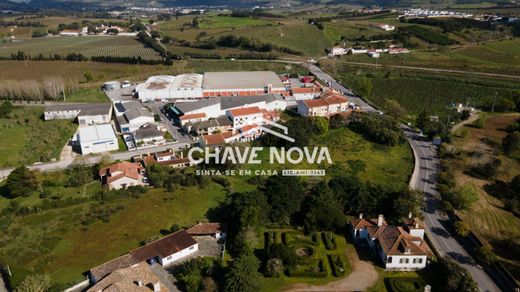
<point x="30" y="138"/>
<point x="423" y="275"/>
<point x="230" y="22"/>
<point x="56" y="242"/>
<point x="295" y="239"/>
<point x="94" y="95"/>
<point x="488" y="218"/>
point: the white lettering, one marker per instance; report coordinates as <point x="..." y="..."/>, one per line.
<point x="190" y="155"/>
<point x="324" y="154"/>
<point x="279" y="155"/>
<point x="253" y="158"/>
<point x="290" y="155"/>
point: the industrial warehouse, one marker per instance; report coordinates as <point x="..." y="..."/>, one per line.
<point x="211" y="84"/>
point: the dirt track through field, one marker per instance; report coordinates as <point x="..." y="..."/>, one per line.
<point x="363" y="277"/>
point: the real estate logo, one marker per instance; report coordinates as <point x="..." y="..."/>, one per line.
<point x="251" y="155"/>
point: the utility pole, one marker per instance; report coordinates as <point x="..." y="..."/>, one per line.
<point x="494" y="101"/>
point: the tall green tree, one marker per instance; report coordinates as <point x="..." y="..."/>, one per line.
<point x="243" y="275"/>
<point x="422" y="120"/>
<point x="285" y="195"/>
<point x="21" y="182"/>
<point x="322" y="210"/>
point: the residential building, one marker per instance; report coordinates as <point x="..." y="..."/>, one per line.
<point x="218" y="106"/>
<point x="164" y="251"/>
<point x="305" y="93"/>
<point x="192" y="118"/>
<point x="86" y="114"/>
<point x="136" y="278"/>
<point x="215" y="229"/>
<point x="134" y="119"/>
<point x="395" y="51"/>
<point x="245" y="116"/>
<point x="148" y="135"/>
<point x="211" y="126"/>
<point x="121" y="175"/>
<point x="96" y="139"/>
<point x="329" y="104"/>
<point x="168" y="249"/>
<point x="397" y="247"/>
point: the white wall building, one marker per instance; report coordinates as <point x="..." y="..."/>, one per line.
<point x="245" y="116"/>
<point x="87" y="114"/>
<point x="97" y="139"/>
<point x="337" y="51"/>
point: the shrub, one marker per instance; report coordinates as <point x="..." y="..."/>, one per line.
<point x="337" y="265"/>
<point x="315" y="269"/>
<point x="329" y="240"/>
<point x="405" y="284"/>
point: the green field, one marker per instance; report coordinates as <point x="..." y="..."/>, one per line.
<point x="89" y="46"/>
<point x="230" y="22"/>
<point x="26" y="138"/>
<point x="416" y="91"/>
<point x="496" y="57"/>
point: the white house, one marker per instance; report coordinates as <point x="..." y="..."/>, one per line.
<point x="328" y="105"/>
<point x="134" y="119"/>
<point x="121" y="175"/>
<point x="168" y="249"/>
<point x="245" y="116"/>
<point x="398" y="248"/>
<point x="148" y="135"/>
<point x="97" y="139"/>
<point x="386" y="27"/>
<point x="165" y="251"/>
<point x="306" y="93"/>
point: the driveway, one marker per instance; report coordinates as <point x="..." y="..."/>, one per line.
<point x="363" y="277"/>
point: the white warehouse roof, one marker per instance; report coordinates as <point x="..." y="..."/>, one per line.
<point x="190" y="80"/>
<point x="241" y="80"/>
<point x="96" y="133"/>
<point x="160" y="82"/>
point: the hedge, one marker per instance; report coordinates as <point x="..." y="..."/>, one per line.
<point x="329" y="240"/>
<point x="405" y="284"/>
<point x="297" y="272"/>
<point x="337" y="265"/>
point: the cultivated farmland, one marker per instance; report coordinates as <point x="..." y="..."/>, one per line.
<point x="115" y="46"/>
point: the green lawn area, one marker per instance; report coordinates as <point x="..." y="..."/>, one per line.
<point x="296" y="239"/>
<point x="30" y="138"/>
<point x="56" y="242"/>
<point x="424" y="276"/>
<point x="94" y="95"/>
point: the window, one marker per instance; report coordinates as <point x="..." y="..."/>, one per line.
<point x="417" y="261"/>
<point x="404" y="261"/>
<point x="389" y="260"/>
<point x="169" y="258"/>
<point x="192" y="247"/>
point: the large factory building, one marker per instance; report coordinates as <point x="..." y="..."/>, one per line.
<point x="211" y="84"/>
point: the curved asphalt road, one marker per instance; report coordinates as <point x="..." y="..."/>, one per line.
<point x="424" y="179"/>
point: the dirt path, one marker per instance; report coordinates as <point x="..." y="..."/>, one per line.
<point x="470" y="120"/>
<point x="363" y="277"/>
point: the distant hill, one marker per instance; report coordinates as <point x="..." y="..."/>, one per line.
<point x="74" y="4"/>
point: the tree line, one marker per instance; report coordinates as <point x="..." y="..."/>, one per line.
<point x="6" y="23"/>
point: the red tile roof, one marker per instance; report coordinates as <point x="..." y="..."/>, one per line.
<point x="365" y="223"/>
<point x="306" y="90"/>
<point x="245" y="111"/>
<point x="207" y="228"/>
<point x="127" y="169"/>
<point x="193" y="116"/>
<point x="248" y="127"/>
<point x="165" y="246"/>
<point x="396" y="241"/>
<point x="217" y="139"/>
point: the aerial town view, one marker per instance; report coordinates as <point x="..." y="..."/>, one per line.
<point x="274" y="145"/>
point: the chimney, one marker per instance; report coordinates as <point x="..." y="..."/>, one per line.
<point x="416" y="224"/>
<point x="410" y="214"/>
<point x="139" y="283"/>
<point x="380" y="220"/>
<point x="157" y="287"/>
<point x="360" y="215"/>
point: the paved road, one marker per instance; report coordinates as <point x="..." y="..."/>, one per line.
<point x="436" y="70"/>
<point x="435" y="219"/>
<point x="93" y="159"/>
<point x="424" y="179"/>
